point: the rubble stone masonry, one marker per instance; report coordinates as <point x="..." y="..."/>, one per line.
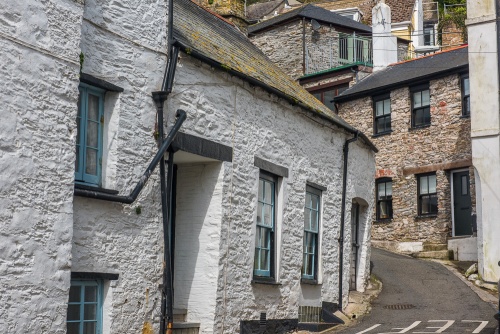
<point x="405" y="152"/>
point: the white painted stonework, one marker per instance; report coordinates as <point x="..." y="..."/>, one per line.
<point x="464" y="249"/>
<point x="385" y="49"/>
<point x="46" y="232"/>
<point x="485" y="131"/>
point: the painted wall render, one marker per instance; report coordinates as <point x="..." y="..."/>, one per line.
<point x="46" y="233"/>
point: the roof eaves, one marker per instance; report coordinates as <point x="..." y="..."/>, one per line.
<point x="408" y="82"/>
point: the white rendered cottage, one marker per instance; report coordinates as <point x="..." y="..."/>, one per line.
<point x="253" y="194"/>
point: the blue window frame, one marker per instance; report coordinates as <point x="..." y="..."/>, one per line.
<point x="311" y="233"/>
<point x="89" y="135"/>
<point x="266" y="221"/>
<point x="85" y="307"/>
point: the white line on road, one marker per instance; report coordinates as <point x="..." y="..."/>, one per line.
<point x="439" y="329"/>
<point x="480" y="327"/>
<point x="369" y="329"/>
<point x="404" y="330"/>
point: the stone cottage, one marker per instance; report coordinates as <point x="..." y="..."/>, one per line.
<point x="418" y="114"/>
<point x="324" y="51"/>
<point x="160" y="178"/>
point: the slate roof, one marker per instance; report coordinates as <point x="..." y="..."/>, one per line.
<point x="401" y="10"/>
<point x="261" y="9"/>
<point x="219" y="43"/>
<point x="311" y="12"/>
<point x="409" y="72"/>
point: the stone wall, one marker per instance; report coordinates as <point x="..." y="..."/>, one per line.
<point x="451" y="37"/>
<point x="447" y="140"/>
<point x="39" y="79"/>
<point x="283" y="44"/>
<point x="254" y="123"/>
<point x="403" y="50"/>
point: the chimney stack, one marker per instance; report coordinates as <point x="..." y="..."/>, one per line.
<point x="385" y="45"/>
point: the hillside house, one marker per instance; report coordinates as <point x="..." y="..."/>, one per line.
<point x="418" y="114"/>
<point x="146" y="183"/>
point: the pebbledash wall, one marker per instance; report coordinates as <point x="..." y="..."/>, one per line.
<point x="405" y="150"/>
<point x="254" y="123"/>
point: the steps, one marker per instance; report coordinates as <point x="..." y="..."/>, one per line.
<point x="180" y="325"/>
<point x="434" y="251"/>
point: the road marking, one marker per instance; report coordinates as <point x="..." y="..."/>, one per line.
<point x="480" y="327"/>
<point x="369" y="329"/>
<point x="406" y="329"/>
<point x="439" y="329"/>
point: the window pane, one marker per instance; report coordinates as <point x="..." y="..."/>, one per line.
<point x="89" y="328"/>
<point x="261" y="190"/>
<point x="259" y="213"/>
<point x="307" y="219"/>
<point x="93" y="108"/>
<point x="91" y="293"/>
<point x="424" y="189"/>
<point x="73" y="312"/>
<point x="466" y="86"/>
<point x="384" y="213"/>
<point x="74" y="294"/>
<point x="467" y="106"/>
<point x="427" y="115"/>
<point x="268" y="215"/>
<point x="305" y="264"/>
<point x="314" y="221"/>
<point x="381" y="190"/>
<point x="315" y="202"/>
<point x="388" y="188"/>
<point x="309" y="243"/>
<point x="92" y="134"/>
<point x="89" y="312"/>
<point x="425" y="204"/>
<point x="91" y="161"/>
<point x="328" y="97"/>
<point x="432" y="183"/>
<point x="387" y="107"/>
<point x="379" y="108"/>
<point x="433" y="204"/>
<point x="310" y="264"/>
<point x="317" y="95"/>
<point x="73" y="328"/>
<point x="268" y="192"/>
<point x="425" y="98"/>
<point x="419" y="117"/>
<point x="308" y="200"/>
<point x="465" y="185"/>
<point x="264" y="259"/>
<point x="417" y="100"/>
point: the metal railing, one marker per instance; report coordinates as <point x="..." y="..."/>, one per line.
<point x="344" y="50"/>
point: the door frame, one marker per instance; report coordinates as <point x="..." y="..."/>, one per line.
<point x="453" y="196"/>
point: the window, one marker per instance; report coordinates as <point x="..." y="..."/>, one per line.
<point x="421" y="111"/>
<point x="429" y="35"/>
<point x="326" y="95"/>
<point x="85" y="307"/>
<point x="465" y="95"/>
<point x="382" y="114"/>
<point x="311" y="232"/>
<point x="89" y="135"/>
<point x="266" y="222"/>
<point x="427" y="195"/>
<point x="384" y="199"/>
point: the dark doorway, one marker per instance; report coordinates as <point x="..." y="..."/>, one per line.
<point x="462" y="203"/>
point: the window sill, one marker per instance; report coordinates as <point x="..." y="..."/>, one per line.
<point x="383" y="221"/>
<point x="434" y="215"/>
<point x="265" y="280"/>
<point x="416" y="128"/>
<point x="95" y="188"/>
<point x="382" y="134"/>
<point x="309" y="281"/>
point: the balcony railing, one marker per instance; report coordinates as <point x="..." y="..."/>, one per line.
<point x="344" y="50"/>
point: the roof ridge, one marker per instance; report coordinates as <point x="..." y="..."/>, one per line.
<point x="429" y="55"/>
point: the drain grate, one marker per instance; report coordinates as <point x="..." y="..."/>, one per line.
<point x="399" y="307"/>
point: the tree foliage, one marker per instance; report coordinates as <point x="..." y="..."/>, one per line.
<point x="454" y="15"/>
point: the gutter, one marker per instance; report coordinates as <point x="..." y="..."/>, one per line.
<point x="276" y="92"/>
<point x="342" y="215"/>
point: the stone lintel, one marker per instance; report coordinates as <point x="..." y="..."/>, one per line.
<point x="435" y="167"/>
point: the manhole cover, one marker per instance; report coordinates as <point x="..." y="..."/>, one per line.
<point x="399" y="307"/>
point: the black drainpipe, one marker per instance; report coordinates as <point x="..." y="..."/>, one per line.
<point x="342" y="214"/>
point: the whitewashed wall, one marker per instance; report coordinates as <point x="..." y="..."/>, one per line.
<point x="39" y="43"/>
<point x="254" y="123"/>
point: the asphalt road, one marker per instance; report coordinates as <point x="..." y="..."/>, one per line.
<point x="420" y="296"/>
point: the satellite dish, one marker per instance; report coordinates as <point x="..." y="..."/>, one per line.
<point x="315" y="25"/>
